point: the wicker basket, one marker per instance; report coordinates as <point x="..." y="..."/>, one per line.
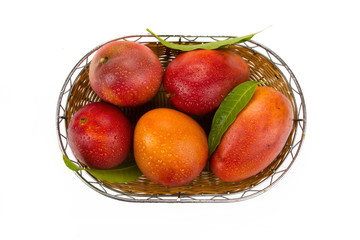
<point x="264" y="64"/>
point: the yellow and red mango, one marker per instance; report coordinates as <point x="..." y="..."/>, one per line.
<point x="255" y="138"/>
<point x="170" y="147"/>
<point x="126" y="74"/>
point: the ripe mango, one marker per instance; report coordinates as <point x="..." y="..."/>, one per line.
<point x="255" y="138"/>
<point x="125" y="73"/>
<point x="170" y="148"/>
<point x="100" y="135"/>
<point x="198" y="81"/>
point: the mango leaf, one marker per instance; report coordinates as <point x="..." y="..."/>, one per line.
<point x="121" y="174"/>
<point x="229" y="108"/>
<point x="210" y="45"/>
<point x="71" y="165"/>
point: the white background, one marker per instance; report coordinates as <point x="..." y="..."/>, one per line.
<point x="41" y="41"/>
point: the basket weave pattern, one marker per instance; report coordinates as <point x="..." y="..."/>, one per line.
<point x="206" y="187"/>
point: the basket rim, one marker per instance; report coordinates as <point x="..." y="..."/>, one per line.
<point x="183" y="198"/>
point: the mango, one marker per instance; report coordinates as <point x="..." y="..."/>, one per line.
<point x="255" y="138"/>
<point x="170" y="148"/>
<point x="198" y="81"/>
<point x="100" y="135"/>
<point x="126" y="74"/>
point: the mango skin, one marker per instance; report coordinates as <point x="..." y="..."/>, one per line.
<point x="100" y="135"/>
<point x="170" y="148"/>
<point x="126" y="74"/>
<point x="198" y="81"/>
<point x="255" y="138"/>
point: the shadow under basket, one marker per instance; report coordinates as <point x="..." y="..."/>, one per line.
<point x="265" y="66"/>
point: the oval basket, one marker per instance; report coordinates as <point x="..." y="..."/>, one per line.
<point x="264" y="64"/>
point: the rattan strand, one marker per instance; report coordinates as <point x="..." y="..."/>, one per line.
<point x="261" y="70"/>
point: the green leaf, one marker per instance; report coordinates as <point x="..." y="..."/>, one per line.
<point x="210" y="45"/>
<point x="71" y="165"/>
<point x="123" y="173"/>
<point x="120" y="174"/>
<point x="229" y="108"/>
